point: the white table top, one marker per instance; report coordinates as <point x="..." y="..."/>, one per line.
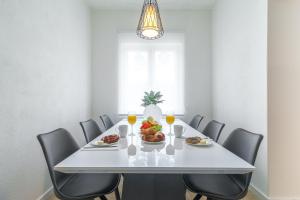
<point x="173" y="156"/>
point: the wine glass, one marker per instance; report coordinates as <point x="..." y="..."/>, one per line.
<point x="170" y="118"/>
<point x="131" y="148"/>
<point x="170" y="149"/>
<point x="131" y="120"/>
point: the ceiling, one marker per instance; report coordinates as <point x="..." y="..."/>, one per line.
<point x="163" y="4"/>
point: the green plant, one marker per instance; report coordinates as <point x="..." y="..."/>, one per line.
<point x="152" y="98"/>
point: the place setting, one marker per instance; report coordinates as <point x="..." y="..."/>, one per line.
<point x="197" y="141"/>
<point x="179" y="131"/>
<point x="108" y="142"/>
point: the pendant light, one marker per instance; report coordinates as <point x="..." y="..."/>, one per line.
<point x="150" y="26"/>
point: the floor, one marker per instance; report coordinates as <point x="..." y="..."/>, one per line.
<point x="189" y="196"/>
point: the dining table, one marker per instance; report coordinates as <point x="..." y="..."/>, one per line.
<point x="150" y="164"/>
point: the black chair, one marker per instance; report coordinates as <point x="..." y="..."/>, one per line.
<point x="230" y="187"/>
<point x="90" y="129"/>
<point x="213" y="130"/>
<point x="107" y="122"/>
<point x="196" y="121"/>
<point x="57" y="146"/>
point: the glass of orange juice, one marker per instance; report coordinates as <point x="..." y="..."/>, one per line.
<point x="131" y="118"/>
<point x="170" y="118"/>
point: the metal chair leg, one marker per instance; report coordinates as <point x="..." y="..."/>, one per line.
<point x="103" y="197"/>
<point x="117" y="194"/>
<point x="197" y="197"/>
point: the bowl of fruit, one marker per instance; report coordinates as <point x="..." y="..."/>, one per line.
<point x="151" y="131"/>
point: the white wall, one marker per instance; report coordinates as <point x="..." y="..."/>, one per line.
<point x="197" y="28"/>
<point x="240" y="74"/>
<point x="44" y="85"/>
<point x="283" y="99"/>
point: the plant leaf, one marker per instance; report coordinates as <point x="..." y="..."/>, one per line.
<point x="152" y="97"/>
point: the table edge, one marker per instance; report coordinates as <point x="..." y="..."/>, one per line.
<point x="165" y="170"/>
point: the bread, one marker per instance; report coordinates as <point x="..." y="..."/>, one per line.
<point x="157" y="137"/>
<point x="193" y="140"/>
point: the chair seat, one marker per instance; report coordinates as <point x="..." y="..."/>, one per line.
<point x="216" y="185"/>
<point x="90" y="185"/>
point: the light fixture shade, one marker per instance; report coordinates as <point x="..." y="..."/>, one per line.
<point x="150" y="26"/>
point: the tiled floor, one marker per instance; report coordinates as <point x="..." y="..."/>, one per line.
<point x="189" y="196"/>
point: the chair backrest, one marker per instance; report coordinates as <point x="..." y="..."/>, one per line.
<point x="107" y="122"/>
<point x="245" y="145"/>
<point x="196" y="121"/>
<point x="57" y="145"/>
<point x="213" y="130"/>
<point x="90" y="129"/>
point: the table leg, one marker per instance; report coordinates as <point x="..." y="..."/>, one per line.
<point x="153" y="187"/>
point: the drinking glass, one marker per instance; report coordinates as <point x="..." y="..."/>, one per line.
<point x="170" y="118"/>
<point x="131" y="120"/>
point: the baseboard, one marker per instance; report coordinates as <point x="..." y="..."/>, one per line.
<point x="258" y="193"/>
<point x="285" y="198"/>
<point x="46" y="195"/>
<point x="262" y="196"/>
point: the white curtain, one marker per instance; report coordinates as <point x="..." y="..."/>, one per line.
<point x="151" y="65"/>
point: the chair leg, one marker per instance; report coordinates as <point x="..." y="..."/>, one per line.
<point x="103" y="197"/>
<point x="197" y="197"/>
<point x="117" y="194"/>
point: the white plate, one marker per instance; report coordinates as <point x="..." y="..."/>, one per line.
<point x="102" y="144"/>
<point x="146" y="142"/>
<point x="208" y="143"/>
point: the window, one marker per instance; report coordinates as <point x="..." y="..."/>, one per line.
<point x="151" y="65"/>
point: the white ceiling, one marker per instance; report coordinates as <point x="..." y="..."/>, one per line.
<point x="163" y="4"/>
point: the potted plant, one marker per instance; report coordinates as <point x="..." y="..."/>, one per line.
<point x="150" y="101"/>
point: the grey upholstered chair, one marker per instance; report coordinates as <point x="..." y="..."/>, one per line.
<point x="58" y="145"/>
<point x="227" y="187"/>
<point x="213" y="130"/>
<point x="90" y="129"/>
<point x="107" y="122"/>
<point x="195" y="122"/>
